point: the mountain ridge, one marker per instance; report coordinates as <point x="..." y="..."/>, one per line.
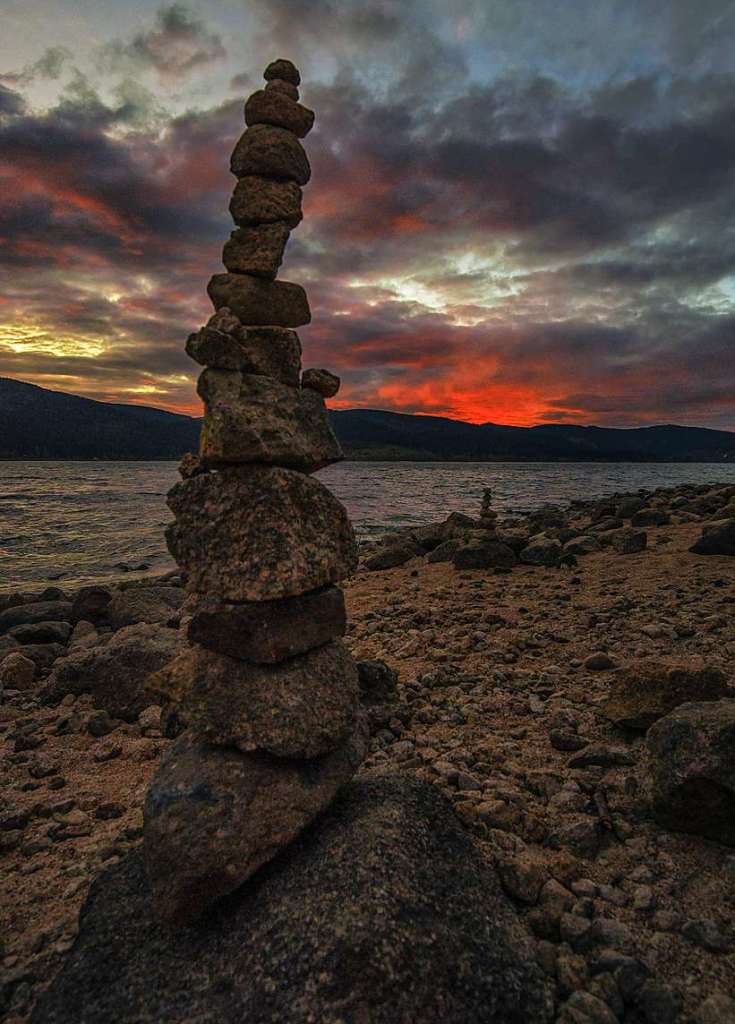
<point x="38" y="423"/>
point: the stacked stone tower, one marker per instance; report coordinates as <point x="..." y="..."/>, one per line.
<point x="267" y="690"/>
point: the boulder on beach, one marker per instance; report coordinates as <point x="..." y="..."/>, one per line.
<point x="692" y="753"/>
<point x="484" y="554"/>
<point x="114" y="673"/>
<point x="645" y="691"/>
<point x="385" y="912"/>
<point x="144" y="604"/>
<point x="717" y="538"/>
<point x="35" y="612"/>
<point x="540" y="550"/>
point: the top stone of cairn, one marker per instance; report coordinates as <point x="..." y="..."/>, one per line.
<point x="283" y="70"/>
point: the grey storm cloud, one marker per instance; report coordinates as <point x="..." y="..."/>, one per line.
<point x="175" y="46"/>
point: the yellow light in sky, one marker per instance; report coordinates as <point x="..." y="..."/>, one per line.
<point x="32" y="338"/>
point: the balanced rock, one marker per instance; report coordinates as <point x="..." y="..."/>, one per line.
<point x="717" y="538"/>
<point x="303" y="707"/>
<point x="224" y="344"/>
<point x="323" y="382"/>
<point x="692" y="753"/>
<point x="257" y="302"/>
<point x="274" y="107"/>
<point x="114" y="673"/>
<point x="258" y="200"/>
<point x="279" y="85"/>
<point x="645" y="691"/>
<point x="385" y="912"/>
<point x="296" y="536"/>
<point x="256" y="250"/>
<point x="272" y="153"/>
<point x="284" y="70"/>
<point x="214" y="815"/>
<point x="269" y="631"/>
<point x="252" y="418"/>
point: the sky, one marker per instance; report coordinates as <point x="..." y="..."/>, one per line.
<point x="520" y="211"/>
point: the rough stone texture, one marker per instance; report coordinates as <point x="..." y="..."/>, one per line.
<point x="144" y="604"/>
<point x="271" y="152"/>
<point x="90" y="605"/>
<point x="259" y="303"/>
<point x="115" y="672"/>
<point x="542" y="551"/>
<point x="214" y="815"/>
<point x="645" y="691"/>
<point x="383" y="913"/>
<point x="693" y="770"/>
<point x="224" y="344"/>
<point x="35" y="611"/>
<point x="629" y="541"/>
<point x="296" y="537"/>
<point x="270" y="106"/>
<point x="378" y="682"/>
<point x="269" y="631"/>
<point x="717" y="539"/>
<point x="258" y="200"/>
<point x="303" y="707"/>
<point x="484" y="555"/>
<point x="256" y="250"/>
<point x="250" y="418"/>
<point x="17" y="672"/>
<point x="323" y="382"/>
<point x="279" y="85"/>
<point x="284" y="70"/>
<point x="393" y="555"/>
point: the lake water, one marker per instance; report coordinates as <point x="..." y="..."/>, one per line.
<point x="78" y="522"/>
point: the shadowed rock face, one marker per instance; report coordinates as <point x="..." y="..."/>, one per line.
<point x="257" y="302"/>
<point x="384" y="912"/>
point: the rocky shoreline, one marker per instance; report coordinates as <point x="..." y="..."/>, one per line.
<point x="534" y="673"/>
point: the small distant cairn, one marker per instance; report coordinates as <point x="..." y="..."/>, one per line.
<point x="267" y="690"/>
<point x="488" y="516"/>
<point x="484" y="549"/>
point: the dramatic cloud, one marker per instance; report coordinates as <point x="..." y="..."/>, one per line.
<point x="178" y="44"/>
<point x="512" y="217"/>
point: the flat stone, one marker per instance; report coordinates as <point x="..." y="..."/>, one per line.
<point x="214" y="815"/>
<point x="296" y="538"/>
<point x="645" y="691"/>
<point x="256" y="302"/>
<point x="693" y="769"/>
<point x="269" y="631"/>
<point x="256" y="250"/>
<point x="271" y="152"/>
<point x="601" y="755"/>
<point x="323" y="382"/>
<point x="225" y="344"/>
<point x="258" y="200"/>
<point x="384" y="912"/>
<point x="250" y="418"/>
<point x="35" y="611"/>
<point x="303" y="707"/>
<point x="270" y="106"/>
<point x="284" y="70"/>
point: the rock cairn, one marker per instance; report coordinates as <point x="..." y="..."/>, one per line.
<point x="267" y="690"/>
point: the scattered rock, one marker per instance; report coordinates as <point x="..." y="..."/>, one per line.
<point x="16" y="672"/>
<point x="717" y="539"/>
<point x="645" y="691"/>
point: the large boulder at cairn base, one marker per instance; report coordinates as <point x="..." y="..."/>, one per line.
<point x="647" y="690"/>
<point x="250" y="418"/>
<point x="255" y="533"/>
<point x="269" y="631"/>
<point x="256" y="250"/>
<point x="692" y="753"/>
<point x="224" y="344"/>
<point x="382" y="912"/>
<point x="271" y="152"/>
<point x="114" y="673"/>
<point x="258" y="200"/>
<point x="257" y="302"/>
<point x="302" y="707"/>
<point x="214" y="815"/>
<point x="717" y="539"/>
<point x="276" y="108"/>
